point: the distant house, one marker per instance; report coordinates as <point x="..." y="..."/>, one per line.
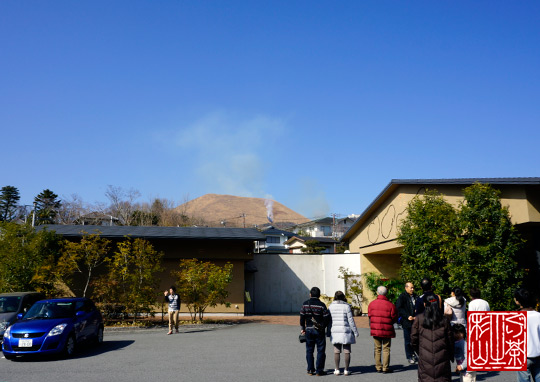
<point x="218" y="245"/>
<point x="275" y="241"/>
<point x="342" y="225"/>
<point x="296" y="244"/>
<point x="326" y="227"/>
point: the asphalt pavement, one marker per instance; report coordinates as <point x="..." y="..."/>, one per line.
<point x="245" y="352"/>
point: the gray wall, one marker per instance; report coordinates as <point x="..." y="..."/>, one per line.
<point x="282" y="281"/>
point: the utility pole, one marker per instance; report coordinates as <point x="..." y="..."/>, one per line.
<point x="34" y="215"/>
<point x="334" y="233"/>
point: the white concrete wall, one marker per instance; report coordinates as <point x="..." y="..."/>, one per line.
<point x="282" y="281"/>
<point x="332" y="263"/>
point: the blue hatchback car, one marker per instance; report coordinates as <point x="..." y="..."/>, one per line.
<point x="54" y="326"/>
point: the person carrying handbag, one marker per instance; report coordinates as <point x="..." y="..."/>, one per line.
<point x="315" y="321"/>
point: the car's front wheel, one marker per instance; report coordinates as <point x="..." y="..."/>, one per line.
<point x="69" y="347"/>
<point x="99" y="336"/>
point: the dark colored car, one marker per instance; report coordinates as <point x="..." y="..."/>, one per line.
<point x="11" y="304"/>
<point x="54" y="326"/>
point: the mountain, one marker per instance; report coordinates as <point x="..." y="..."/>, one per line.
<point x="235" y="211"/>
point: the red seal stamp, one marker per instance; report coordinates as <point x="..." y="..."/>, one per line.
<point x="496" y="341"/>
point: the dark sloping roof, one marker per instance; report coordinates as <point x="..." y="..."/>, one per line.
<point x="469" y="181"/>
<point x="274" y="231"/>
<point x="159" y="232"/>
<point x="320" y="239"/>
<point x="394" y="183"/>
<point x="275" y="249"/>
<point x="325" y="220"/>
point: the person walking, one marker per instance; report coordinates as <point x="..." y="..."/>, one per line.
<point x="315" y="319"/>
<point x="432" y="339"/>
<point x="343" y="330"/>
<point x="455" y="307"/>
<point x="174" y="308"/>
<point x="382" y="316"/>
<point x="526" y="303"/>
<point x="405" y="306"/>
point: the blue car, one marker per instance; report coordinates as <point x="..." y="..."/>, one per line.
<point x="54" y="326"/>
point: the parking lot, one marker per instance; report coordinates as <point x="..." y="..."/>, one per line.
<point x="245" y="352"/>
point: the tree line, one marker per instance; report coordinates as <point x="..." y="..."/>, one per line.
<point x="122" y="205"/>
<point x="122" y="277"/>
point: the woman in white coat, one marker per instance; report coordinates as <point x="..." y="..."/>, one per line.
<point x="455" y="308"/>
<point x="343" y="330"/>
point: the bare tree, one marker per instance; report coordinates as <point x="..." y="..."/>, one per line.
<point x="122" y="202"/>
<point x="71" y="209"/>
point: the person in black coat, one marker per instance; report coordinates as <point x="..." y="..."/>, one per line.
<point x="433" y="340"/>
<point x="315" y="320"/>
<point x="405" y="306"/>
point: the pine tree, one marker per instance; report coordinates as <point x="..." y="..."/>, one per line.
<point x="47" y="207"/>
<point x="9" y="196"/>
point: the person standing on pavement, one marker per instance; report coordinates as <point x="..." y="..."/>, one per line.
<point x="427" y="288"/>
<point x="526" y="303"/>
<point x="343" y="330"/>
<point x="315" y="320"/>
<point x="455" y="307"/>
<point x="433" y="340"/>
<point x="382" y="316"/>
<point x="174" y="308"/>
<point x="405" y="306"/>
<point x="477" y="304"/>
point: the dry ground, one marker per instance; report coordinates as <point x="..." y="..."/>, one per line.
<point x="293" y="320"/>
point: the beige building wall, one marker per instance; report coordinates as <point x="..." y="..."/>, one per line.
<point x="375" y="237"/>
<point x="236" y="288"/>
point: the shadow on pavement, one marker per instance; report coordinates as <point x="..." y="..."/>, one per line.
<point x="84" y="351"/>
<point x="105" y="347"/>
<point x="371" y="369"/>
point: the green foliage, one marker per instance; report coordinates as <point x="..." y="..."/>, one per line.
<point x="327" y="300"/>
<point x="302" y="232"/>
<point x="313" y="246"/>
<point x="9" y="197"/>
<point x="144" y="218"/>
<point x="474" y="245"/>
<point x="83" y="257"/>
<point x="428" y="234"/>
<point x="23" y="252"/>
<point x="132" y="276"/>
<point x="373" y="280"/>
<point x="342" y="247"/>
<point x="486" y="256"/>
<point x="47" y="207"/>
<point x="353" y="287"/>
<point x="202" y="284"/>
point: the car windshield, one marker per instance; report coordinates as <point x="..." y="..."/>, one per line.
<point x="9" y="304"/>
<point x="46" y="310"/>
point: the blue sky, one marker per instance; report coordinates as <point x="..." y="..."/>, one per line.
<point x="316" y="104"/>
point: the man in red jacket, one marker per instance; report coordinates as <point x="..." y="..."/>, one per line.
<point x="382" y="316"/>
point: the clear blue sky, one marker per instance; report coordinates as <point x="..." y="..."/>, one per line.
<point x="317" y="104"/>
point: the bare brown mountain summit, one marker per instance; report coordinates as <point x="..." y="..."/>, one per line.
<point x="214" y="209"/>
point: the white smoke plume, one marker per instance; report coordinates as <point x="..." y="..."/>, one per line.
<point x="269" y="203"/>
<point x="230" y="151"/>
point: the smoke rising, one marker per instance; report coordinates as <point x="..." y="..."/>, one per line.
<point x="229" y="152"/>
<point x="269" y="204"/>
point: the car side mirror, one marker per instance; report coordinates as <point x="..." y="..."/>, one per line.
<point x="79" y="313"/>
<point x="19" y="316"/>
